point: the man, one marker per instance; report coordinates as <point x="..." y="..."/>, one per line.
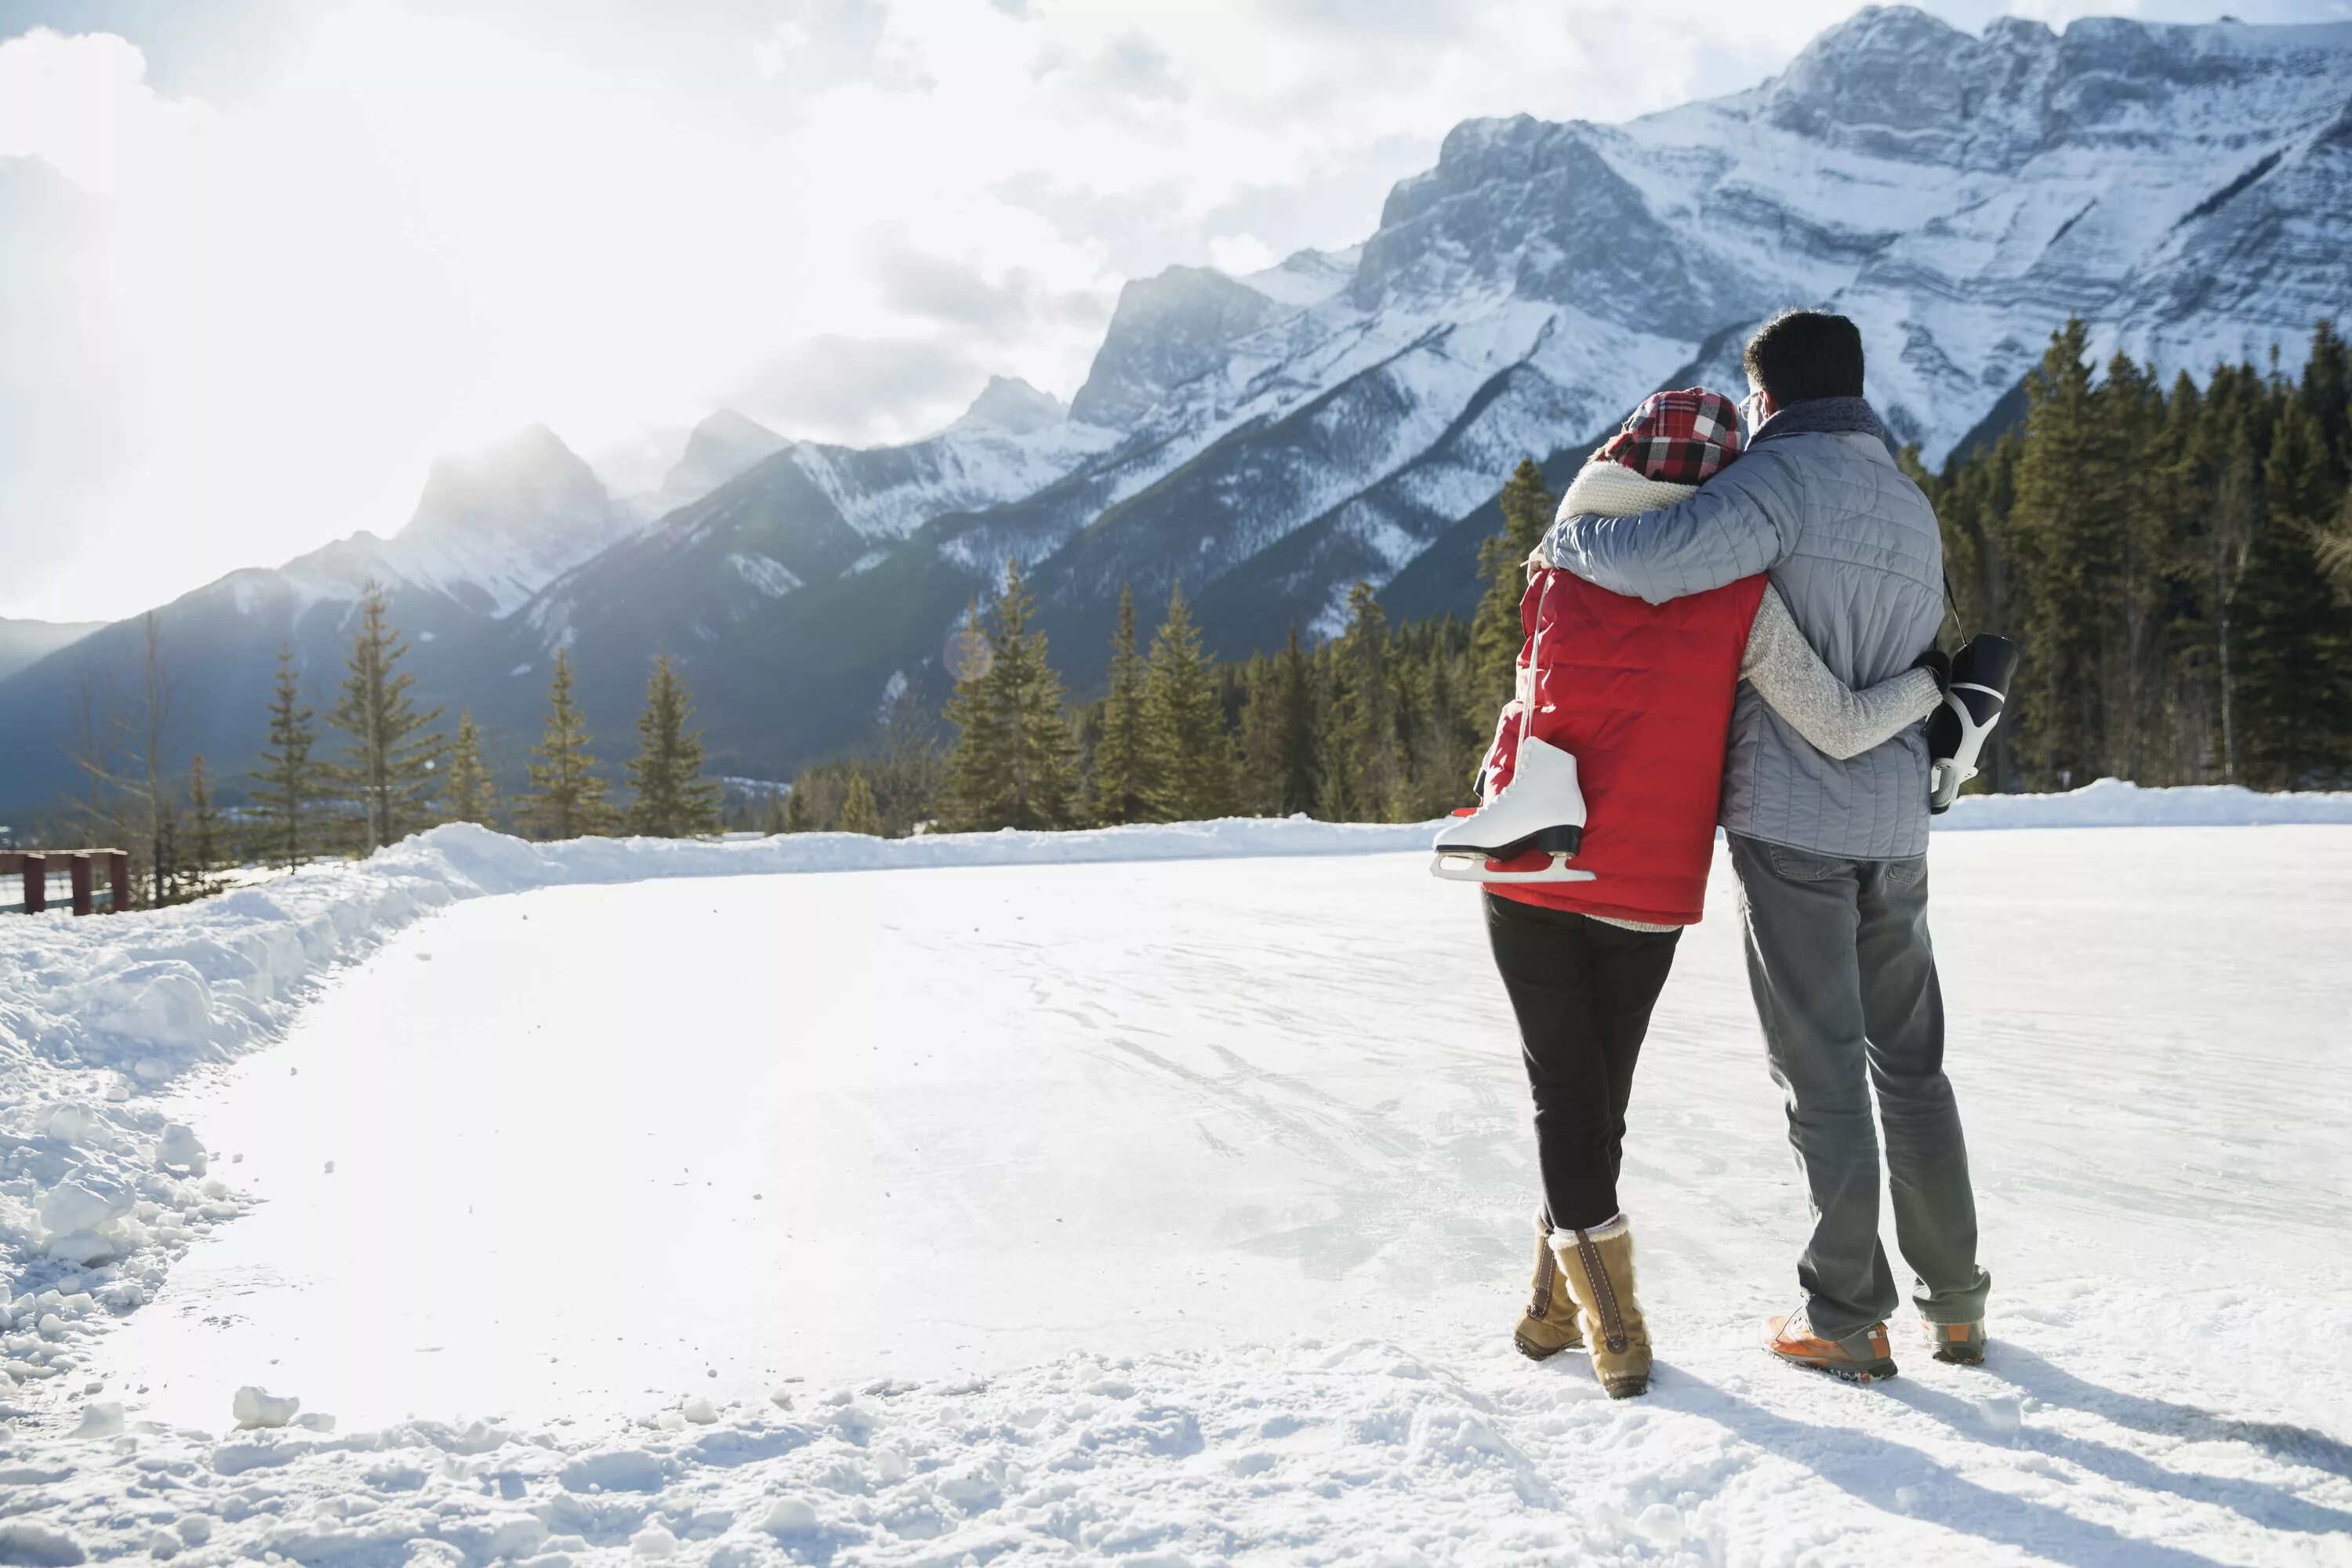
<point x="1830" y="854"/>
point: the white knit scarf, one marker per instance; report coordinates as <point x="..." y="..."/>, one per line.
<point x="1607" y="489"/>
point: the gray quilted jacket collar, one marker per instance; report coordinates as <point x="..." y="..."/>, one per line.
<point x="1825" y="417"/>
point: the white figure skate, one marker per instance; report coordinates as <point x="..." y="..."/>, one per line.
<point x="1541" y="808"/>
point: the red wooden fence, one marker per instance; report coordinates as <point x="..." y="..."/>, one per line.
<point x="35" y="865"/>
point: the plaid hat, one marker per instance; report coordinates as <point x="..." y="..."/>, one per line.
<point x="1682" y="437"/>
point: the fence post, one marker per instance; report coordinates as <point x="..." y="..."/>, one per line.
<point x="36" y="884"/>
<point x="117" y="876"/>
<point x="77" y="864"/>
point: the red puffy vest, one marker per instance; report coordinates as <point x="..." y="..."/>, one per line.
<point x="1641" y="694"/>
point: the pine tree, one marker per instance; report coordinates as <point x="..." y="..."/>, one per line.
<point x="472" y="794"/>
<point x="799" y="816"/>
<point x="1281" y="738"/>
<point x="390" y="757"/>
<point x="673" y="799"/>
<point x="2071" y="532"/>
<point x="566" y="799"/>
<point x="2327" y="395"/>
<point x="2295" y="670"/>
<point x="285" y="787"/>
<point x="857" y="813"/>
<point x="777" y="818"/>
<point x="1494" y="634"/>
<point x="1359" y="770"/>
<point x="1120" y="764"/>
<point x="202" y="862"/>
<point x="1188" y="756"/>
<point x="2333" y="550"/>
<point x="1015" y="759"/>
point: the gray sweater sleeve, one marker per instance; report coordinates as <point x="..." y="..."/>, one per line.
<point x="1738" y="523"/>
<point x="1839" y="720"/>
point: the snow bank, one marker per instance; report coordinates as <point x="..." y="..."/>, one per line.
<point x="2112" y="803"/>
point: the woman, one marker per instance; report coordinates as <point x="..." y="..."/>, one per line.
<point x="1641" y="695"/>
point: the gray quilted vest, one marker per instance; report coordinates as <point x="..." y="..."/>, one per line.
<point x="1864" y="580"/>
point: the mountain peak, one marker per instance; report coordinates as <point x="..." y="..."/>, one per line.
<point x="1166" y="329"/>
<point x="1011" y="407"/>
<point x="517" y="476"/>
<point x="1896" y="82"/>
<point x="722" y="446"/>
<point x="495" y="523"/>
<point x="1306" y="277"/>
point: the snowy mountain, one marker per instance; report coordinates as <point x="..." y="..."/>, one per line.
<point x="1264" y="442"/>
<point x="717" y="449"/>
<point x="26" y="642"/>
<point x="490" y="528"/>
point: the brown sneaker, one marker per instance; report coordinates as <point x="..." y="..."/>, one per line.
<point x="1548" y="1325"/>
<point x="1861" y="1358"/>
<point x="1962" y="1344"/>
<point x="1597" y="1266"/>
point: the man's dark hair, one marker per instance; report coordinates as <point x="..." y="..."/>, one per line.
<point x="1799" y="355"/>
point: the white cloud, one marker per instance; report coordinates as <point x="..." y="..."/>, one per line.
<point x="1240" y="253"/>
<point x="432" y="222"/>
<point x="82" y="104"/>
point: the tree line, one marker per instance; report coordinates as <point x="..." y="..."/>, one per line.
<point x="387" y="771"/>
<point x="1375" y="723"/>
<point x="2178" y="563"/>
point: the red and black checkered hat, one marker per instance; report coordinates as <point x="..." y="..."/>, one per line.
<point x="1681" y="438"/>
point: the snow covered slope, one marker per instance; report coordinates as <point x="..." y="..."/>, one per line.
<point x="1180" y="1217"/>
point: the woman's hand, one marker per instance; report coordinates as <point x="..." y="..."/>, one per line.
<point x="1536" y="563"/>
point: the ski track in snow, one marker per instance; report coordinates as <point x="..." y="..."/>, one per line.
<point x="1153" y="1213"/>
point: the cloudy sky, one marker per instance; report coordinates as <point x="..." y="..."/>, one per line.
<point x="260" y="259"/>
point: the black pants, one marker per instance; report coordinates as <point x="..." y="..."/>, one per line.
<point x="1583" y="990"/>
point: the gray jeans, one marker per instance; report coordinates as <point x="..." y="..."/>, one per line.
<point x="1844" y="980"/>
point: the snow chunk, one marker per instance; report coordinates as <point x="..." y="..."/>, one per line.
<point x="88" y="1201"/>
<point x="790" y="1516"/>
<point x="73" y="1121"/>
<point x="179" y="1149"/>
<point x="257" y="1407"/>
<point x="22" y="1540"/>
<point x="103" y="1420"/>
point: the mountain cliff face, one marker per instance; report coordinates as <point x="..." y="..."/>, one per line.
<point x="1264" y="442"/>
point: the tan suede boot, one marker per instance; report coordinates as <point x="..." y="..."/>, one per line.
<point x="1548" y="1325"/>
<point x="1598" y="1267"/>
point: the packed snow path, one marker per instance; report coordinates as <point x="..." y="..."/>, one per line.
<point x="1177" y="1212"/>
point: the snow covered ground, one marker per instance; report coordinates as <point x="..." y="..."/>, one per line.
<point x="1151" y="1211"/>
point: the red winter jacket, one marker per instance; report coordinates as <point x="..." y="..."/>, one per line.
<point x="1641" y="694"/>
